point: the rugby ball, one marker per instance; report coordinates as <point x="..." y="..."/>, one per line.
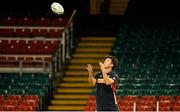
<point x="57" y="8"/>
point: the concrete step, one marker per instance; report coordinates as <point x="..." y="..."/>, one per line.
<point x="68" y="102"/>
<point x="95" y="44"/>
<point x="75" y="79"/>
<point x="71" y="96"/>
<point x="98" y="39"/>
<point x="75" y="91"/>
<point x="65" y="108"/>
<point x="75" y="85"/>
<point x="92" y="49"/>
<point x="89" y="55"/>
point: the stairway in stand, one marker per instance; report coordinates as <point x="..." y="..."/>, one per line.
<point x="118" y="7"/>
<point x="73" y="91"/>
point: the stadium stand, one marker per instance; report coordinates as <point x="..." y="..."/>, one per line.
<point x="149" y="56"/>
<point x="30" y="55"/>
<point x="149" y="67"/>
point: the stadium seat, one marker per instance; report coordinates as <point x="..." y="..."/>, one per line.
<point x="176" y="106"/>
<point x="145" y="108"/>
<point x="14" y="97"/>
<point x="61" y="21"/>
<point x="25" y="21"/>
<point x="34" y="98"/>
<point x="23" y="32"/>
<point x="9" y="21"/>
<point x="130" y="98"/>
<point x="42" y="21"/>
<point x="2" y="98"/>
<point x="39" y="33"/>
<point x="25" y="108"/>
<point x="55" y="33"/>
<point x="7" y="32"/>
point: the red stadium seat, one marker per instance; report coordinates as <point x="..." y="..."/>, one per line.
<point x="25" y="21"/>
<point x="25" y="108"/>
<point x="130" y="98"/>
<point x="3" y="45"/>
<point x="31" y="46"/>
<point x="10" y="103"/>
<point x="7" y="32"/>
<point x="31" y="98"/>
<point x="42" y="21"/>
<point x="2" y="98"/>
<point x="44" y="58"/>
<point x="145" y="108"/>
<point x="31" y="103"/>
<point x="9" y="21"/>
<point x="39" y="33"/>
<point x="36" y="43"/>
<point x="61" y="21"/>
<point x="125" y="108"/>
<point x="53" y="43"/>
<point x="92" y="97"/>
<point x="148" y="98"/>
<point x="166" y="98"/>
<point x="8" y="108"/>
<point x="176" y="106"/>
<point x="177" y="98"/>
<point x="118" y="99"/>
<point x="14" y="97"/>
<point x="12" y="49"/>
<point x="48" y="49"/>
<point x="55" y="33"/>
<point x="29" y="50"/>
<point x="23" y="33"/>
<point x="90" y="108"/>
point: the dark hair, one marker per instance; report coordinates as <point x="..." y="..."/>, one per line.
<point x="114" y="60"/>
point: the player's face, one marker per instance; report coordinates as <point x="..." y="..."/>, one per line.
<point x="108" y="62"/>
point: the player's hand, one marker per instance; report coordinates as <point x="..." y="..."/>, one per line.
<point x="102" y="67"/>
<point x="89" y="68"/>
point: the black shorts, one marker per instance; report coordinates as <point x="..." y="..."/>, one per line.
<point x="107" y="108"/>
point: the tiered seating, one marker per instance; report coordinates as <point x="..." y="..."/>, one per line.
<point x="141" y="103"/>
<point x="19" y="103"/>
<point x="8" y="32"/>
<point x="30" y="32"/>
<point x="149" y="62"/>
<point x="27" y="91"/>
<point x="26" y="84"/>
<point x="28" y="46"/>
<point x="28" y="26"/>
<point x="33" y="21"/>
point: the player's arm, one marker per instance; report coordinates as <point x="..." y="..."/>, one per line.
<point x="107" y="80"/>
<point x="91" y="79"/>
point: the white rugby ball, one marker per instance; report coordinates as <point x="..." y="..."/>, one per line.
<point x="57" y="8"/>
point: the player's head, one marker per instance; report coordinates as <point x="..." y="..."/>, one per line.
<point x="110" y="61"/>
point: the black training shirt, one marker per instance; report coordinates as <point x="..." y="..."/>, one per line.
<point x="105" y="94"/>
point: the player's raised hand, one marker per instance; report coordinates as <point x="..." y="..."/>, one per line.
<point x="102" y="67"/>
<point x="89" y="68"/>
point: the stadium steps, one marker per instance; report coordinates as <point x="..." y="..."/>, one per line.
<point x="90" y="55"/>
<point x="74" y="90"/>
<point x="118" y="7"/>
